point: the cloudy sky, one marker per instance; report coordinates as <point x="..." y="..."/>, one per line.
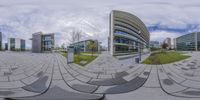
<point x="21" y="18"/>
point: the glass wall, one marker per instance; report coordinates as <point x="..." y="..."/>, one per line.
<point x="12" y="44"/>
<point x="23" y="45"/>
<point x="186" y="42"/>
<point x="47" y="42"/>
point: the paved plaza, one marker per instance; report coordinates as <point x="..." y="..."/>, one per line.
<point x="47" y="76"/>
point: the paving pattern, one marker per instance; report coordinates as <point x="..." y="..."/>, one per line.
<point x="107" y="75"/>
<point x="24" y="76"/>
<point x="31" y="76"/>
<point x="181" y="78"/>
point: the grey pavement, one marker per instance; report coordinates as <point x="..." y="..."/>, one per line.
<point x="36" y="76"/>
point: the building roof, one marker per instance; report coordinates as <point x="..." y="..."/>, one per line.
<point x="188" y="34"/>
<point x="84" y="41"/>
<point x="41" y="33"/>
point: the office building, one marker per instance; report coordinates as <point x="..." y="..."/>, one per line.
<point x="16" y="44"/>
<point x="154" y="44"/>
<point x="128" y="34"/>
<point x="6" y="46"/>
<point x="188" y="42"/>
<point x="42" y="42"/>
<point x="83" y="46"/>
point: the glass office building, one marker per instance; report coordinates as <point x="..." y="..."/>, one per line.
<point x="47" y="42"/>
<point x="188" y="42"/>
<point x="83" y="46"/>
<point x="127" y="33"/>
<point x="16" y="44"/>
<point x="42" y="42"/>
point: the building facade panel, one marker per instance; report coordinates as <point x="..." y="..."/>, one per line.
<point x="83" y="46"/>
<point x="127" y="33"/>
<point x="15" y="44"/>
<point x="36" y="43"/>
<point x="42" y="42"/>
<point x="188" y="42"/>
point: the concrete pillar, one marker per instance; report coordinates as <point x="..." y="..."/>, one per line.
<point x="111" y="34"/>
<point x="196" y="41"/>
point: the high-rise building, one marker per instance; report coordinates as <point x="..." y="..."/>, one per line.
<point x="16" y="44"/>
<point x="188" y="42"/>
<point x="128" y="34"/>
<point x="42" y="42"/>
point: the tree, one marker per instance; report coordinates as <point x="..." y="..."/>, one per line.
<point x="164" y="45"/>
<point x="63" y="46"/>
<point x="92" y="46"/>
<point x="76" y="35"/>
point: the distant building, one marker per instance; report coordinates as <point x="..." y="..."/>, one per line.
<point x="0" y="41"/>
<point x="16" y="44"/>
<point x="188" y="42"/>
<point x="108" y="44"/>
<point x="128" y="34"/>
<point x="6" y="46"/>
<point x="42" y="42"/>
<point x="174" y="44"/>
<point x="154" y="44"/>
<point x="168" y="42"/>
<point x="83" y="46"/>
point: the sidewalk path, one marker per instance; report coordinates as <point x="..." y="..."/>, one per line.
<point x="29" y="76"/>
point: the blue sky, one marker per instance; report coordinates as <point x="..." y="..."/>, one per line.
<point x="21" y="18"/>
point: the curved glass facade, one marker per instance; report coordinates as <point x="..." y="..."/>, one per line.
<point x="127" y="33"/>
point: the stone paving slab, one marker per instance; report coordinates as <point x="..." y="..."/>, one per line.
<point x="173" y="76"/>
<point x="82" y="87"/>
<point x="134" y="74"/>
<point x="152" y="81"/>
<point x="101" y="82"/>
<point x="104" y="76"/>
<point x="168" y="84"/>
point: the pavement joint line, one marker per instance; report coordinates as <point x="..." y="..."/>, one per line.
<point x="59" y="62"/>
<point x="180" y="90"/>
<point x="150" y="87"/>
<point x="183" y="77"/>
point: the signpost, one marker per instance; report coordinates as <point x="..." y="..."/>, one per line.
<point x="70" y="54"/>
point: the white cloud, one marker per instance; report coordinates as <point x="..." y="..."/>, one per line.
<point x="161" y="35"/>
<point x="24" y="17"/>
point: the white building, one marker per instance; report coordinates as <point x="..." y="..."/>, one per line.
<point x="16" y="44"/>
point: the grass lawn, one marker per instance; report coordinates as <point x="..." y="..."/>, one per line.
<point x="87" y="58"/>
<point x="78" y="59"/>
<point x="164" y="57"/>
<point x="90" y="53"/>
